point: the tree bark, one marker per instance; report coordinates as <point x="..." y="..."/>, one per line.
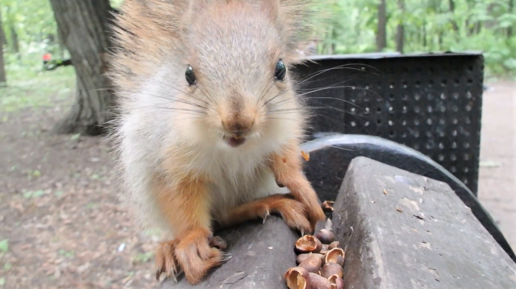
<point x="61" y="45"/>
<point x="15" y="42"/>
<point x="424" y="34"/>
<point x="400" y="30"/>
<point x="381" y="34"/>
<point x="452" y="10"/>
<point x="83" y="25"/>
<point x="511" y="9"/>
<point x="3" y="38"/>
<point x="3" y="77"/>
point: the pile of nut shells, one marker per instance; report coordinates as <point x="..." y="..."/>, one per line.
<point x="319" y="260"/>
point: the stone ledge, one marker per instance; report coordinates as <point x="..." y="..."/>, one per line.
<point x="402" y="230"/>
<point x="261" y="254"/>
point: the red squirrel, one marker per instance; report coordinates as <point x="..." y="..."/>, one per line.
<point x="210" y="126"/>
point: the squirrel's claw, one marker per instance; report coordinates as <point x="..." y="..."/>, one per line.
<point x="166" y="261"/>
<point x="171" y="274"/>
<point x="267" y="213"/>
<point x="176" y="274"/>
<point x="226" y="257"/>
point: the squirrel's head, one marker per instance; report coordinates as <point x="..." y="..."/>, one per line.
<point x="237" y="68"/>
<point x="227" y="67"/>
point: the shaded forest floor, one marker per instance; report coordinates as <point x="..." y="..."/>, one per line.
<point x="62" y="224"/>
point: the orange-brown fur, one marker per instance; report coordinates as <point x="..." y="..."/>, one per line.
<point x="290" y="210"/>
<point x="287" y="170"/>
<point x="153" y="25"/>
<point x="178" y="170"/>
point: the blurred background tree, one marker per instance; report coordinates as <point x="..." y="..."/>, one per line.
<point x="411" y="26"/>
<point x="3" y="79"/>
<point x="84" y="27"/>
<point x="355" y="26"/>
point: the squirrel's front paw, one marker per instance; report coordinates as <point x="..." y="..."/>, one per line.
<point x="292" y="212"/>
<point x="196" y="257"/>
<point x="315" y="214"/>
<point x="166" y="261"/>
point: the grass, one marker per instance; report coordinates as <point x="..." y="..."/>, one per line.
<point x="4" y="246"/>
<point x="32" y="87"/>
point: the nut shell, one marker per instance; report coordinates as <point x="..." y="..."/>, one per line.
<point x="319" y="282"/>
<point x="218" y="242"/>
<point x="327" y="206"/>
<point x="308" y="243"/>
<point x="329" y="224"/>
<point x="301" y="257"/>
<point x="329" y="269"/>
<point x="312" y="263"/>
<point x="336" y="282"/>
<point x="298" y="278"/>
<point x="335" y="255"/>
<point x="334" y="244"/>
<point x="326" y="236"/>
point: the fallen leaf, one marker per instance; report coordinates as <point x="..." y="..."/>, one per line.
<point x="328" y="205"/>
<point x="4" y="246"/>
<point x="489" y="164"/>
<point x="305" y="155"/>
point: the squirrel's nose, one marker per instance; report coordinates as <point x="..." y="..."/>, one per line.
<point x="238" y="126"/>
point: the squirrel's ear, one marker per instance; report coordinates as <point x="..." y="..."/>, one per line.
<point x="302" y="51"/>
<point x="186" y="10"/>
<point x="271" y="7"/>
<point x="294" y="21"/>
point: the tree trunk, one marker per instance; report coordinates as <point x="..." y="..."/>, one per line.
<point x="400" y="30"/>
<point x="61" y="45"/>
<point x="424" y="34"/>
<point x="3" y="78"/>
<point x="452" y="10"/>
<point x="15" y="42"/>
<point x="509" y="29"/>
<point x="83" y="25"/>
<point x="381" y="34"/>
<point x="3" y="38"/>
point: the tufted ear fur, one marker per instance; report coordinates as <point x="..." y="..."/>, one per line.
<point x="271" y="8"/>
<point x="146" y="30"/>
<point x="190" y="9"/>
<point x="294" y="20"/>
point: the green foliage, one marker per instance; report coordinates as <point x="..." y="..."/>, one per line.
<point x="32" y="87"/>
<point x="429" y="25"/>
<point x="116" y="3"/>
<point x="7" y="266"/>
<point x="64" y="253"/>
<point x="33" y="194"/>
<point x="142" y="257"/>
<point x="31" y="31"/>
<point x="32" y="23"/>
<point x="4" y="246"/>
<point x="347" y="26"/>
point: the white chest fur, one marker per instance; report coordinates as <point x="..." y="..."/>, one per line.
<point x="238" y="175"/>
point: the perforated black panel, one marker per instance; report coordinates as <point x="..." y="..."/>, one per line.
<point x="431" y="103"/>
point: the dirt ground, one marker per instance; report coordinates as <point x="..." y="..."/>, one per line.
<point x="63" y="227"/>
<point x="497" y="183"/>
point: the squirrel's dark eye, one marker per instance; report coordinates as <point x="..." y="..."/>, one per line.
<point x="190" y="75"/>
<point x="281" y="70"/>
